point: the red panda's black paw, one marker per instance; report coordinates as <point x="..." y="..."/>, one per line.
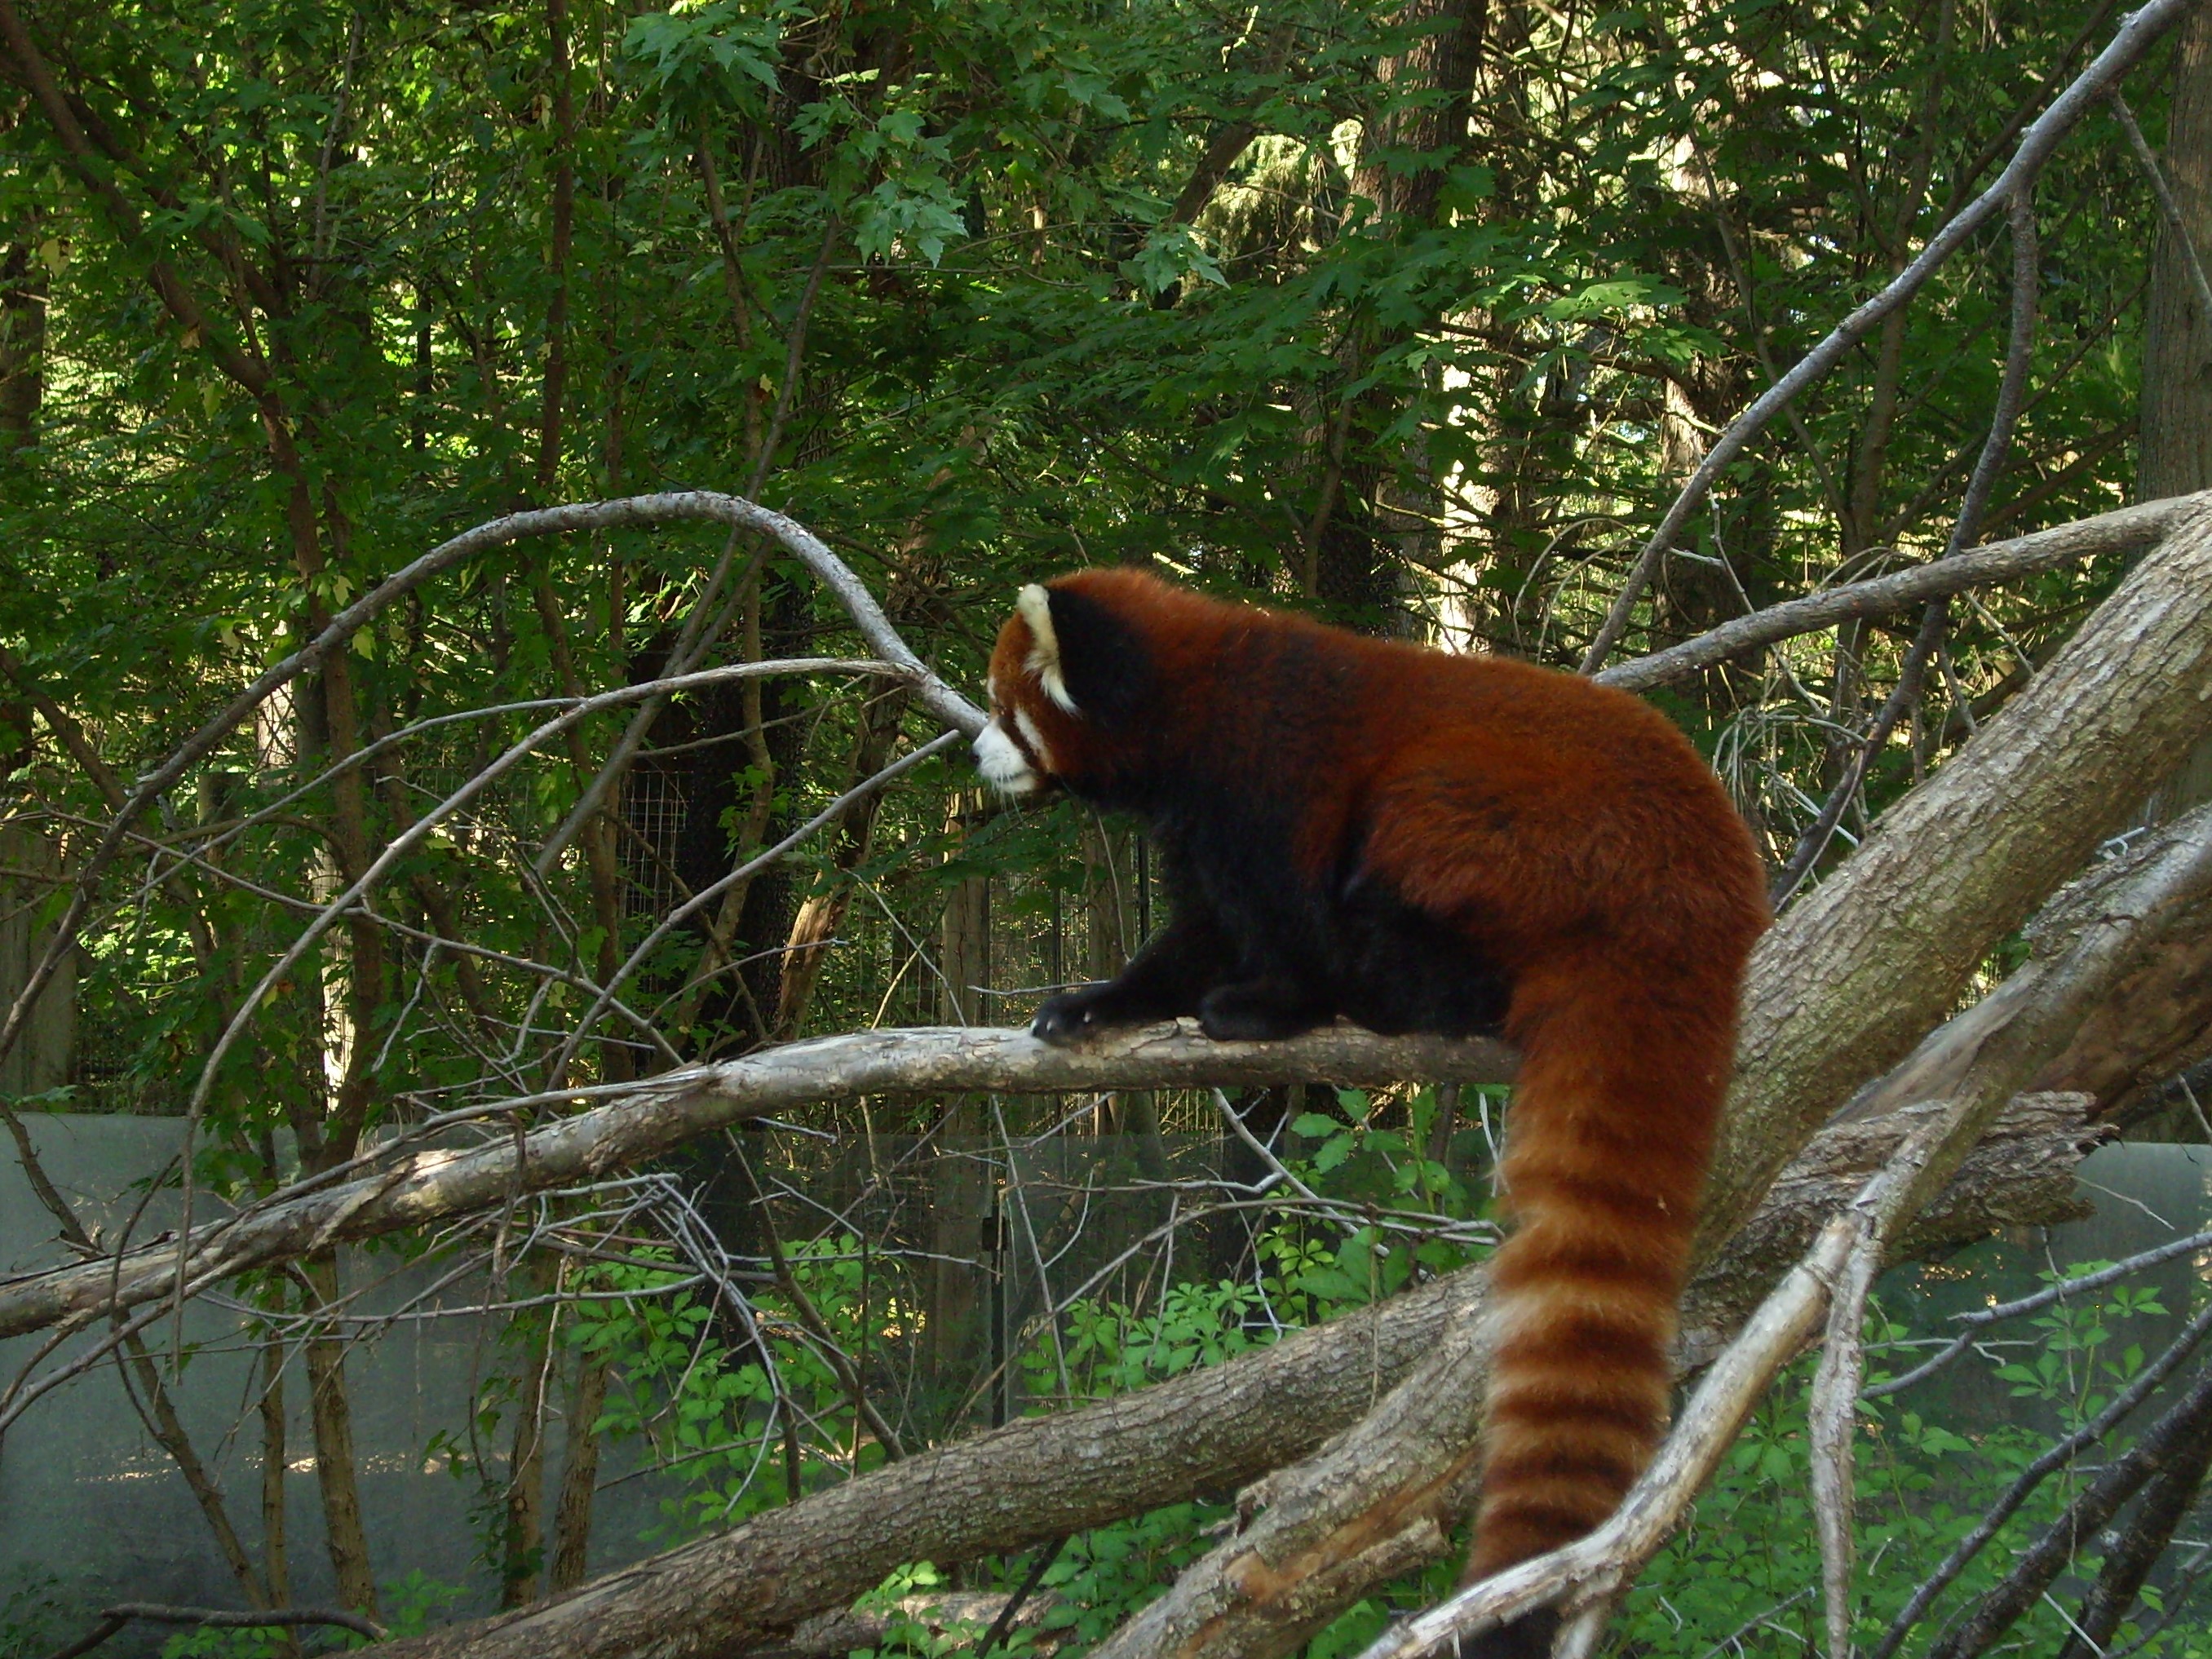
<point x="1529" y="1636"/>
<point x="1068" y="1017"/>
<point x="1260" y="1011"/>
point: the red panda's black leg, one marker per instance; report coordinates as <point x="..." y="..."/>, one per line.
<point x="1529" y="1636"/>
<point x="1167" y="978"/>
<point x="1261" y="1011"/>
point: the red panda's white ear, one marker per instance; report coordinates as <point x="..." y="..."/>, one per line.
<point x="1034" y="606"/>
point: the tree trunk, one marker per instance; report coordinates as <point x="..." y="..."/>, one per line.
<point x="336" y="1472"/>
<point x="814" y="927"/>
<point x="2176" y="457"/>
<point x="22" y="341"/>
<point x="522" y="1540"/>
<point x="580" y="1474"/>
<point x="275" y="1564"/>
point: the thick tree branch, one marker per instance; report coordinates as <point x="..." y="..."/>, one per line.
<point x="1849" y="980"/>
<point x="413" y="1189"/>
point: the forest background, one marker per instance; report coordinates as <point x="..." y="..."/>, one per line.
<point x="1414" y="315"/>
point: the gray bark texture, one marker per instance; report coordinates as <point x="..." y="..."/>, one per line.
<point x="2158" y="1020"/>
<point x="2020" y="1174"/>
<point x="2177" y="371"/>
<point x="2176" y="409"/>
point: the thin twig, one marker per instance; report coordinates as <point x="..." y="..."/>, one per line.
<point x="113" y="1619"/>
<point x="2012" y="390"/>
<point x="2177" y="227"/>
<point x="2033" y="1475"/>
<point x="1007" y="1614"/>
<point x="1978" y="1318"/>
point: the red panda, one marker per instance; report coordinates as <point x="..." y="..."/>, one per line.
<point x="1426" y="842"/>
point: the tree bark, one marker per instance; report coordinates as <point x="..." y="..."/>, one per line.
<point x="330" y="1410"/>
<point x="814" y="927"/>
<point x="580" y="1474"/>
<point x="2159" y="1022"/>
<point x="2176" y="409"/>
<point x="22" y="339"/>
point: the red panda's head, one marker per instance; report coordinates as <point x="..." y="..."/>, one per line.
<point x="1073" y="676"/>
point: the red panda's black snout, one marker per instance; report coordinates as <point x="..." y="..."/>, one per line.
<point x="1425" y="842"/>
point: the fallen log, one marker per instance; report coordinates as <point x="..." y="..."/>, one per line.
<point x="1206" y="1432"/>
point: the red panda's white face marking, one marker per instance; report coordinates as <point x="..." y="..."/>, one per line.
<point x="1034" y="608"/>
<point x="1007" y="766"/>
<point x="1013" y="752"/>
<point x="1002" y="763"/>
<point x="1032" y="739"/>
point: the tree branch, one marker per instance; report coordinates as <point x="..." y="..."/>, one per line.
<point x="414" y="1189"/>
<point x="1859" y="969"/>
<point x="2136" y="36"/>
<point x="2128" y="530"/>
<point x="113" y="1619"/>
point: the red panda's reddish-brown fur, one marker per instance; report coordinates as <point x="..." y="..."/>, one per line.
<point x="1456" y="833"/>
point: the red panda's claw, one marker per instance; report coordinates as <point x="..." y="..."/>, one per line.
<point x="1068" y="1017"/>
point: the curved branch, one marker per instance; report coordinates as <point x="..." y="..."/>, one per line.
<point x="630" y="512"/>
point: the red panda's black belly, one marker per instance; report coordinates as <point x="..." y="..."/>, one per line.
<point x="1399" y="969"/>
<point x="1344" y="943"/>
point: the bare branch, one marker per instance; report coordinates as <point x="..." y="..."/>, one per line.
<point x="1864" y="964"/>
<point x="2136" y="36"/>
<point x="2126" y="530"/>
<point x="2177" y="227"/>
<point x="113" y="1619"/>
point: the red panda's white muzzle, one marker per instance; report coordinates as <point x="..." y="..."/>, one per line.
<point x="1003" y="764"/>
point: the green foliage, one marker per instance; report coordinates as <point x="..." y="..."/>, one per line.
<point x="715" y="1412"/>
<point x="1748" y="1555"/>
<point x="35" y="1617"/>
<point x="938" y="277"/>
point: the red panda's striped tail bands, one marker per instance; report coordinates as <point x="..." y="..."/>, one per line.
<point x="1609" y="1133"/>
